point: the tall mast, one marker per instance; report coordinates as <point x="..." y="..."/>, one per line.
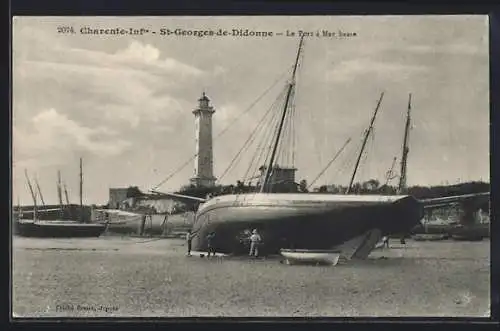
<point x="66" y="193"/>
<point x="59" y="193"/>
<point x="39" y="192"/>
<point x="390" y="174"/>
<point x="18" y="208"/>
<point x="81" y="190"/>
<point x="402" y="179"/>
<point x="365" y="139"/>
<point x="33" y="195"/>
<point x="283" y="116"/>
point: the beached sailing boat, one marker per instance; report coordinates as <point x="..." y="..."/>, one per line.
<point x="302" y="220"/>
<point x="55" y="228"/>
<point x="351" y="224"/>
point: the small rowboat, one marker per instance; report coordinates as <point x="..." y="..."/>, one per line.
<point x="307" y="256"/>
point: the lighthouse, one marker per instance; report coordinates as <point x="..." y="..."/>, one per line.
<point x="203" y="163"/>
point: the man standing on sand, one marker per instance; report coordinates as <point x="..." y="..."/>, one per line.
<point x="255" y="240"/>
<point x="385" y="241"/>
<point x="210" y="243"/>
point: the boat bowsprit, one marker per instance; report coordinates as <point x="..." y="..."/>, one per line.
<point x="308" y="256"/>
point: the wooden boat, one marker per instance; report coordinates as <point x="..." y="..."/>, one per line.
<point x="430" y="236"/>
<point x="432" y="229"/>
<point x="297" y="256"/>
<point x="313" y="221"/>
<point x="57" y="229"/>
<point x="466" y="237"/>
<point x="305" y="221"/>
<point x="476" y="232"/>
<point x="37" y="227"/>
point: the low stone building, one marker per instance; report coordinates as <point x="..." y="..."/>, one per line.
<point x="116" y="197"/>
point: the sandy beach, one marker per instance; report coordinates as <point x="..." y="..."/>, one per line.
<point x="130" y="277"/>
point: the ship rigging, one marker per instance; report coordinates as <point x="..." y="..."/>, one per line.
<point x="348" y="222"/>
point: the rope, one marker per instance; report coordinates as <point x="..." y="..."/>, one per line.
<point x="287" y="141"/>
<point x="223" y="131"/>
<point x="267" y="136"/>
<point x="280" y="150"/>
<point x="294" y="138"/>
<point x="329" y="163"/>
<point x="362" y="169"/>
<point x="249" y="140"/>
<point x="287" y="135"/>
<point x="283" y="153"/>
<point x="280" y="147"/>
<point x="364" y="164"/>
<point x="349" y="160"/>
<point x="274" y="134"/>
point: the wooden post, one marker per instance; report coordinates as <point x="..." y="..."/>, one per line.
<point x="66" y="193"/>
<point x="150" y="225"/>
<point x="59" y="194"/>
<point x="19" y="212"/>
<point x="164" y="226"/>
<point x="33" y="195"/>
<point x="81" y="190"/>
<point x="141" y="225"/>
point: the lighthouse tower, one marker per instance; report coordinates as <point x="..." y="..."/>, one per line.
<point x="204" y="163"/>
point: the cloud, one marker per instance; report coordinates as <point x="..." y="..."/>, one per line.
<point x="129" y="86"/>
<point x="31" y="44"/>
<point x="149" y="55"/>
<point x="134" y="96"/>
<point x="226" y="114"/>
<point x="351" y="69"/>
<point x="51" y="135"/>
<point x="219" y="71"/>
<point x="454" y="49"/>
<point x="138" y="51"/>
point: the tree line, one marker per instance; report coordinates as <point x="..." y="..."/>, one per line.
<point x="372" y="186"/>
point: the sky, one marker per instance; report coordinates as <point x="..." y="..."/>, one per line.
<point x="124" y="102"/>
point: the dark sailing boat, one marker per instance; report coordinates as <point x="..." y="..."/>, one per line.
<point x="302" y="220"/>
<point x="55" y="228"/>
<point x="352" y="224"/>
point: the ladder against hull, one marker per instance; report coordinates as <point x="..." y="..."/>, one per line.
<point x="361" y="246"/>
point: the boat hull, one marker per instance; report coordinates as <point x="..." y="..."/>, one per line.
<point x="300" y="221"/>
<point x="57" y="229"/>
